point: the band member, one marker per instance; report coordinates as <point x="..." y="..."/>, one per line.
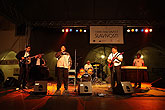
<point x="138" y="62"/>
<point x="39" y="61"/>
<point x="115" y="58"/>
<point x="24" y="67"/>
<point x="88" y="65"/>
<point x="64" y="64"/>
<point x="37" y="66"/>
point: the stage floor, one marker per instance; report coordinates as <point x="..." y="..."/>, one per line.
<point x="146" y="98"/>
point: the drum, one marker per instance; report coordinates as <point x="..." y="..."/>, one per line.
<point x="81" y="72"/>
<point x="90" y="71"/>
<point x="86" y="77"/>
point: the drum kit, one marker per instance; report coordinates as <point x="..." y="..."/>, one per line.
<point x="86" y="75"/>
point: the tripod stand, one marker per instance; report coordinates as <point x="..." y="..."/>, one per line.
<point x="96" y="80"/>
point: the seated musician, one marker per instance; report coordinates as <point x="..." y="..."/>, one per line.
<point x="88" y="66"/>
<point x="138" y="62"/>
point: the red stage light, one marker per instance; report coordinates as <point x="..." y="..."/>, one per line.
<point x="146" y="31"/>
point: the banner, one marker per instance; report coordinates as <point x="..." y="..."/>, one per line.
<point x="106" y="35"/>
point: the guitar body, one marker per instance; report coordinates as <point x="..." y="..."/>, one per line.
<point x="112" y="63"/>
<point x="27" y="60"/>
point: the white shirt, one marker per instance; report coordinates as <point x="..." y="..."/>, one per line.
<point x="26" y="54"/>
<point x="38" y="61"/>
<point x="116" y="62"/>
<point x="138" y="62"/>
<point x="86" y="66"/>
<point x="63" y="61"/>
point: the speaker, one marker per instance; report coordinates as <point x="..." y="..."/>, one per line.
<point x="123" y="88"/>
<point x="40" y="87"/>
<point x="85" y="88"/>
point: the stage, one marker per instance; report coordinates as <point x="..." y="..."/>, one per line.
<point x="146" y="98"/>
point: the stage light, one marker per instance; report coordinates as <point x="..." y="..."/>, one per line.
<point x="142" y="57"/>
<point x="136" y="30"/>
<point x="80" y="30"/>
<point x="128" y="30"/>
<point x="66" y="30"/>
<point x="142" y="30"/>
<point x="63" y="30"/>
<point x="70" y="30"/>
<point x="146" y="31"/>
<point x="102" y="56"/>
<point x="150" y="30"/>
<point x="85" y="30"/>
<point x="132" y="30"/>
<point x="76" y="30"/>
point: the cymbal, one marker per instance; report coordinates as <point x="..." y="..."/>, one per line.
<point x="96" y="65"/>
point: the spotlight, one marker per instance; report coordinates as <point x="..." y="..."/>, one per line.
<point x="102" y="56"/>
<point x="66" y="30"/>
<point x="85" y="30"/>
<point x="76" y="30"/>
<point x="80" y="30"/>
<point x="150" y="30"/>
<point x="63" y="30"/>
<point x="142" y="30"/>
<point x="146" y="31"/>
<point x="132" y="30"/>
<point x="70" y="30"/>
<point x="136" y="30"/>
<point x="128" y="30"/>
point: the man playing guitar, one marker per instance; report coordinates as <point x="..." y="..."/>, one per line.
<point x="115" y="59"/>
<point x="24" y="68"/>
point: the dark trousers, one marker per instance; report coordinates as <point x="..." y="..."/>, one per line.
<point x="23" y="77"/>
<point x="62" y="75"/>
<point x="115" y="75"/>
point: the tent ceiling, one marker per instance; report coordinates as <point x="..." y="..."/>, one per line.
<point x="90" y="12"/>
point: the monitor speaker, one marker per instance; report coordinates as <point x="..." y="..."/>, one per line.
<point x="123" y="88"/>
<point x="85" y="88"/>
<point x="40" y="87"/>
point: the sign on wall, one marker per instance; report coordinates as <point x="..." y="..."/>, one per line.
<point x="106" y="35"/>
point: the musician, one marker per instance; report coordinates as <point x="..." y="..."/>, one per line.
<point x="39" y="61"/>
<point x="36" y="69"/>
<point x="115" y="58"/>
<point x="87" y="66"/>
<point x="24" y="68"/>
<point x="138" y="62"/>
<point x="64" y="64"/>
